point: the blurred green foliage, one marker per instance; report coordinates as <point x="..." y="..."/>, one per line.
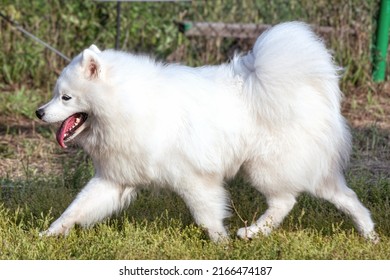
<point x="149" y="27"/>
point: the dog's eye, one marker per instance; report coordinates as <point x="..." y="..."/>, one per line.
<point x="66" y="97"/>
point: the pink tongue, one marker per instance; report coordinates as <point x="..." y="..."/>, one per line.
<point x="65" y="126"/>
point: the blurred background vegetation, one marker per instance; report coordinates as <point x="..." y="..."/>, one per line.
<point x="149" y="27"/>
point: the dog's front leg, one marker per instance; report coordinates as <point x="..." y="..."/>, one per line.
<point x="98" y="200"/>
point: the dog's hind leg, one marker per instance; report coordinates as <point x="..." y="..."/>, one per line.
<point x="278" y="207"/>
<point x="98" y="200"/>
<point x="207" y="201"/>
<point x="336" y="191"/>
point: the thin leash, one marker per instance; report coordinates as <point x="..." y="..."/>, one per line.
<point x="18" y="27"/>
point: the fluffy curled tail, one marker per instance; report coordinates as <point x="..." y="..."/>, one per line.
<point x="284" y="60"/>
<point x="290" y="83"/>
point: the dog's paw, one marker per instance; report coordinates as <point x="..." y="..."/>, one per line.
<point x="45" y="233"/>
<point x="55" y="230"/>
<point x="246" y="233"/>
<point x="49" y="232"/>
<point x="218" y="235"/>
<point x="373" y="237"/>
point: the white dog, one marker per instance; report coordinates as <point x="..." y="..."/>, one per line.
<point x="273" y="114"/>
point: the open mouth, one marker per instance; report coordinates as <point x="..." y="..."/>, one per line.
<point x="70" y="127"/>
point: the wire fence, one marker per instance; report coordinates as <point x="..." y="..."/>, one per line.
<point x="243" y="35"/>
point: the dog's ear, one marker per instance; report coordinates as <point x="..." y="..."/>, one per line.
<point x="95" y="49"/>
<point x="90" y="63"/>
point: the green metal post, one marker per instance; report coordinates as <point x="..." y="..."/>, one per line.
<point x="382" y="41"/>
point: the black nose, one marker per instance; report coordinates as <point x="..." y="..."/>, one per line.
<point x="40" y="113"/>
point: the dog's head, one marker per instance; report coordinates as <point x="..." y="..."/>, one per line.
<point x="70" y="103"/>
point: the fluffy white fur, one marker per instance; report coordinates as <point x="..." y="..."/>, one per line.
<point x="274" y="114"/>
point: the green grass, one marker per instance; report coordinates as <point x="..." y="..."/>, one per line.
<point x="168" y="238"/>
<point x="159" y="226"/>
<point x="22" y="102"/>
